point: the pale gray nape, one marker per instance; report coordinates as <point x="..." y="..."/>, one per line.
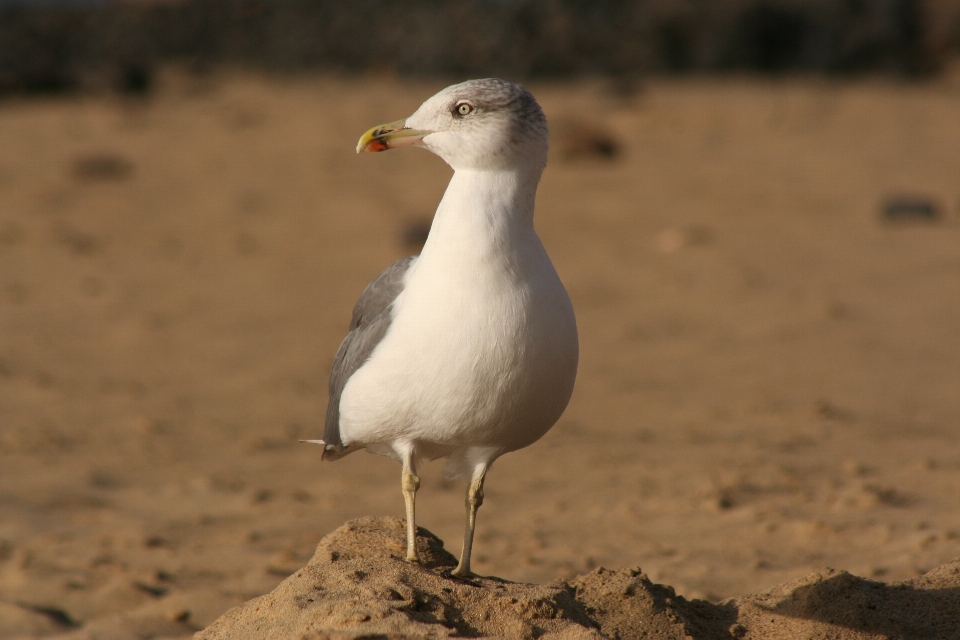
<point x="371" y="319"/>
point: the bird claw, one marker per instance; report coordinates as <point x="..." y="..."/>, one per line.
<point x="469" y="577"/>
<point x="463" y="573"/>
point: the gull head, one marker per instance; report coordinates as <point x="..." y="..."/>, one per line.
<point x="481" y="125"/>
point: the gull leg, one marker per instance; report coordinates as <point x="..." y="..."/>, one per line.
<point x="409" y="484"/>
<point x="474" y="500"/>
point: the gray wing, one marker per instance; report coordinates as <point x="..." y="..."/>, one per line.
<point x="371" y="319"/>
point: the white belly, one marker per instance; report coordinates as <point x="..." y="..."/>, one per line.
<point x="482" y="355"/>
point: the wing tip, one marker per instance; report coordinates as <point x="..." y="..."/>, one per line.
<point x="330" y="451"/>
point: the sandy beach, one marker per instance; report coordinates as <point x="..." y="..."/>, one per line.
<point x="769" y="380"/>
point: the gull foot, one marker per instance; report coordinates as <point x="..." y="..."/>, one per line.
<point x="468" y="578"/>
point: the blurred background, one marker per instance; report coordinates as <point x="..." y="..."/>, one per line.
<point x="754" y="206"/>
<point x="51" y="45"/>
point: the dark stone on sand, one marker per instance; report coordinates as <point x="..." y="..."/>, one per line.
<point x="906" y="208"/>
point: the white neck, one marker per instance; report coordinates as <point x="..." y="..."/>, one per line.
<point x="483" y="214"/>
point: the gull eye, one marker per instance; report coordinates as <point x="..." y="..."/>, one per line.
<point x="464" y="108"/>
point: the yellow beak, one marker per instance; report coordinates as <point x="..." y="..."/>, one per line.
<point x="390" y="135"/>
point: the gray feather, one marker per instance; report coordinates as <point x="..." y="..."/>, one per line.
<point x="370" y="322"/>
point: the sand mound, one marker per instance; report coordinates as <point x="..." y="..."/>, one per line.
<point x="358" y="586"/>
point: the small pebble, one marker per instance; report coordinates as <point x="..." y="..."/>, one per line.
<point x="910" y="208"/>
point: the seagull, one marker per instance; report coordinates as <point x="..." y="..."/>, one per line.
<point x="469" y="350"/>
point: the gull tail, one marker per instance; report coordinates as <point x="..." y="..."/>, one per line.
<point x="331" y="452"/>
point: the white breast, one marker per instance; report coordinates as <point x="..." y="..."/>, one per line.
<point x="482" y="350"/>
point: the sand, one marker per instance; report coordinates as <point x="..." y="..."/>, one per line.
<point x="357" y="585"/>
<point x="769" y="378"/>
